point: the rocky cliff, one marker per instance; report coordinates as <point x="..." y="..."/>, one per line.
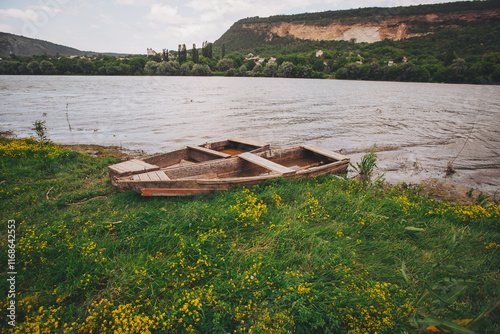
<point x="373" y="30"/>
<point x="362" y="25"/>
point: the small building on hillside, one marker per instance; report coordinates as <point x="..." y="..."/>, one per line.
<point x="150" y="52"/>
<point x="319" y="54"/>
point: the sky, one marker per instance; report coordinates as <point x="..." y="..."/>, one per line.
<point x="132" y="26"/>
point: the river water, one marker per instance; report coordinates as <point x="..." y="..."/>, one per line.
<point x="418" y="127"/>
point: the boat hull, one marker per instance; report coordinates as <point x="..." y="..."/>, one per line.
<point x="242" y="170"/>
<point x="185" y="156"/>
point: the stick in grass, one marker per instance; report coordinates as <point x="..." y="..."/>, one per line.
<point x="67" y="116"/>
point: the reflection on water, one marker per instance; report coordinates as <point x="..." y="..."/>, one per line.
<point x="418" y="127"/>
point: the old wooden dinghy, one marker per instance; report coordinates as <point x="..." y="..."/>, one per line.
<point x="186" y="156"/>
<point x="244" y="169"/>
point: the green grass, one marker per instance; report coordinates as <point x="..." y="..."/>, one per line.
<point x="326" y="255"/>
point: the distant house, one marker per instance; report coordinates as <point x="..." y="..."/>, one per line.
<point x="271" y="60"/>
<point x="390" y="63"/>
<point x="319" y="54"/>
<point x="257" y="59"/>
<point x="151" y="52"/>
<point x="405" y="59"/>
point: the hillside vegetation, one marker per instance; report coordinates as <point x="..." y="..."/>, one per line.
<point x="326" y="255"/>
<point x="255" y="32"/>
<point x="24" y="46"/>
<point x="457" y="51"/>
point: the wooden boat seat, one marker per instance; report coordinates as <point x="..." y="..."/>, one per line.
<point x="326" y="153"/>
<point x="268" y="164"/>
<point x="151" y="176"/>
<point x="247" y="142"/>
<point x="132" y="167"/>
<point x="209" y="151"/>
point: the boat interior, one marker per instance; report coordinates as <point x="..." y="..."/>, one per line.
<point x="280" y="162"/>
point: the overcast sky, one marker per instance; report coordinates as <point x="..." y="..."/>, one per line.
<point x="131" y="26"/>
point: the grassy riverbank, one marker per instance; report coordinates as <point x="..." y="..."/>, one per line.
<point x="322" y="255"/>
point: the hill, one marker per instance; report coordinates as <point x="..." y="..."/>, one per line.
<point x="358" y="25"/>
<point x="24" y="46"/>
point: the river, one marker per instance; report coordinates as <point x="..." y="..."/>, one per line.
<point x="418" y="127"/>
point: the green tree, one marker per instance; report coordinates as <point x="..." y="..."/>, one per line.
<point x="350" y="71"/>
<point x="151" y="67"/>
<point x="405" y="71"/>
<point x="168" y="68"/>
<point x="250" y="64"/>
<point x="195" y="55"/>
<point x="257" y="69"/>
<point x="123" y="69"/>
<point x="242" y="71"/>
<point x="34" y="67"/>
<point x="286" y="69"/>
<point x="420" y="74"/>
<point x="458" y="66"/>
<point x="201" y="70"/>
<point x="86" y="66"/>
<point x="46" y="67"/>
<point x="306" y="71"/>
<point x="271" y="70"/>
<point x="374" y="72"/>
<point x="225" y="64"/>
<point x="186" y="68"/>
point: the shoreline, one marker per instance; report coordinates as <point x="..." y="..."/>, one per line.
<point x="440" y="189"/>
<point x="434" y="186"/>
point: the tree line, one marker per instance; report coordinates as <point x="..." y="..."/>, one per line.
<point x="464" y="55"/>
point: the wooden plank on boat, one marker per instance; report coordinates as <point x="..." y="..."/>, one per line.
<point x="266" y="163"/>
<point x="152" y="176"/>
<point x="209" y="151"/>
<point x="247" y="142"/>
<point x="132" y="166"/>
<point x="173" y="191"/>
<point x="326" y="153"/>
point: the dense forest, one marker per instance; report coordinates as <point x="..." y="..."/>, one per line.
<point x="329" y="16"/>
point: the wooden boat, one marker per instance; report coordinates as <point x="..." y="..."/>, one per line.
<point x="186" y="156"/>
<point x="245" y="169"/>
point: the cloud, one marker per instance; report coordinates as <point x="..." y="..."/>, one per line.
<point x="28" y="14"/>
<point x="165" y="14"/>
<point x="7" y="28"/>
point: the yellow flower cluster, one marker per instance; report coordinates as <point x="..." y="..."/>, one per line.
<point x="405" y="204"/>
<point x="380" y="309"/>
<point x="31" y="245"/>
<point x="313" y="212"/>
<point x="468" y="212"/>
<point x="105" y="317"/>
<point x="250" y="210"/>
<point x="187" y="312"/>
<point x="28" y="147"/>
<point x="492" y="245"/>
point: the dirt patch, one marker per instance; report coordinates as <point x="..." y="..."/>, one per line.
<point x="7" y="134"/>
<point x="100" y="151"/>
<point x="453" y="192"/>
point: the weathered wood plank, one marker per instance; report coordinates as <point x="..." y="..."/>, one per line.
<point x="132" y="166"/>
<point x="325" y="152"/>
<point x="209" y="151"/>
<point x="152" y="176"/>
<point x="247" y="142"/>
<point x="173" y="191"/>
<point x="266" y="163"/>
